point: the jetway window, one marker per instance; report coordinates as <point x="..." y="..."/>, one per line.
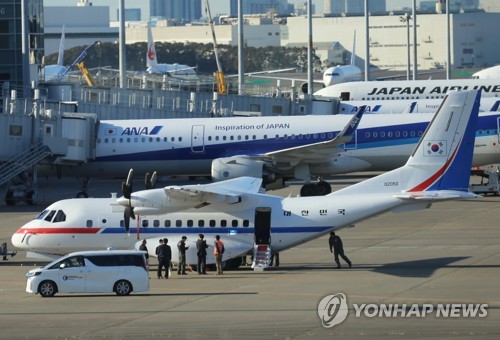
<point x="167" y="223"/>
<point x="16" y="130"/>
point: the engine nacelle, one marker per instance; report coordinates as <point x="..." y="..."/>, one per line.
<point x="236" y="166"/>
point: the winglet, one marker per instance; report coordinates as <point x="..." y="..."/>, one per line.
<point x="353" y="124"/>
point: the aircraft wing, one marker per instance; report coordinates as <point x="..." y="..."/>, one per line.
<point x="229" y="191"/>
<point x="322" y="149"/>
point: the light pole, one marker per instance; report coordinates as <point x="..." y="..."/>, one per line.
<point x="406" y="18"/>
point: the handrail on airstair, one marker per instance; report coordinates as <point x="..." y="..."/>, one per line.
<point x="22" y="161"/>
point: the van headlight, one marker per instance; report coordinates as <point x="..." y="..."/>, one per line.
<point x="31" y="274"/>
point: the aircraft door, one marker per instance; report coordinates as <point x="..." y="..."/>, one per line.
<point x="197" y="138"/>
<point x="498" y="130"/>
<point x="262" y="225"/>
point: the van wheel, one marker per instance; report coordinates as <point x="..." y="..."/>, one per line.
<point x="123" y="287"/>
<point x="47" y="289"/>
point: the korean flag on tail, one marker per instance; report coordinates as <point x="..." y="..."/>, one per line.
<point x="435" y="148"/>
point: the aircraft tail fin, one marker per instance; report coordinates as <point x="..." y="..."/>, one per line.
<point x="353" y="54"/>
<point x="60" y="57"/>
<point x="151" y="60"/>
<point x="439" y="167"/>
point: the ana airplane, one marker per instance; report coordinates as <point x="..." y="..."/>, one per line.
<point x="407" y="89"/>
<point x="183" y="71"/>
<point x="248" y="220"/>
<point x="52" y="72"/>
<point x="490" y="104"/>
<point x="272" y="148"/>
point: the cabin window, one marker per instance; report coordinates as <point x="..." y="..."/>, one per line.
<point x="190" y="223"/>
<point x="145" y="223"/>
<point x="156" y="223"/>
<point x="89" y="223"/>
<point x="382" y="134"/>
<point x="113" y="140"/>
<point x="143" y="139"/>
<point x="231" y="137"/>
<point x="167" y="223"/>
<point x="315" y="136"/>
<point x="412" y="133"/>
<point x="212" y="223"/>
<point x="136" y="140"/>
<point x="234" y="223"/>
<point x="405" y="133"/>
<point x="389" y="134"/>
<point x="398" y="134"/>
<point x="239" y="137"/>
<point x="209" y="138"/>
<point x="201" y="223"/>
<point x="216" y="137"/>
<point x="367" y="134"/>
<point x="265" y="136"/>
<point x="180" y="139"/>
<point x="246" y="223"/>
<point x="375" y="134"/>
<point x="103" y="221"/>
<point x="223" y="223"/>
<point x="178" y="223"/>
<point x="165" y="139"/>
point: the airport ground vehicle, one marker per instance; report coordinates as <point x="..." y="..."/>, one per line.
<point x="492" y="184"/>
<point x="119" y="271"/>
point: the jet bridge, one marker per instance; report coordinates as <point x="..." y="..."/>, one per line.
<point x="31" y="140"/>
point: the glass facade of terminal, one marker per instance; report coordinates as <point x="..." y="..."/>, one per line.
<point x="11" y="49"/>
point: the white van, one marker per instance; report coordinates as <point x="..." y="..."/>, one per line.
<point x="107" y="271"/>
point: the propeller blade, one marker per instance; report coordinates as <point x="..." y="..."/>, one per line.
<point x="147" y="181"/>
<point x="154" y="177"/>
<point x="127" y="186"/>
<point x="128" y="214"/>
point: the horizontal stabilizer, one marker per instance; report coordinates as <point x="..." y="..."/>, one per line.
<point x="440" y="195"/>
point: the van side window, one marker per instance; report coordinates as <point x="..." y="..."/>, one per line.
<point x="117" y="260"/>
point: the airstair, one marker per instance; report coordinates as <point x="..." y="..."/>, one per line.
<point x="19" y="163"/>
<point x="261" y="257"/>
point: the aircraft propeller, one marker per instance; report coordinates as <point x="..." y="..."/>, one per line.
<point x="127" y="193"/>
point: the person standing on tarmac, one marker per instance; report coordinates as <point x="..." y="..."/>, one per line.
<point x="181" y="246"/>
<point x="143" y="247"/>
<point x="201" y="247"/>
<point x="161" y="254"/>
<point x="337" y="249"/>
<point x="218" y="251"/>
<point x="168" y="256"/>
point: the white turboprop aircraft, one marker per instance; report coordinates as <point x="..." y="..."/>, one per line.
<point x="248" y="220"/>
<point x="272" y="148"/>
<point x="407" y="89"/>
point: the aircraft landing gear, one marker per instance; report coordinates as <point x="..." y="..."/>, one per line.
<point x="85" y="186"/>
<point x="320" y="188"/>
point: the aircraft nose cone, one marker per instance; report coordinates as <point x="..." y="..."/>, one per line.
<point x="123" y="201"/>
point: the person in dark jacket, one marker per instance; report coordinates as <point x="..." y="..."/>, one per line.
<point x="143" y="247"/>
<point x="164" y="254"/>
<point x="181" y="246"/>
<point x="337" y="249"/>
<point x="201" y="251"/>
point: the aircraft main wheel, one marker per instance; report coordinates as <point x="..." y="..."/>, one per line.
<point x="123" y="287"/>
<point x="82" y="194"/>
<point x="308" y="190"/>
<point x="323" y="188"/>
<point x="47" y="289"/>
<point x="9" y="198"/>
<point x="30" y="198"/>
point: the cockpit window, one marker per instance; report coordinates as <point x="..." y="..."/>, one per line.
<point x="50" y="215"/>
<point x="60" y="217"/>
<point x="41" y="215"/>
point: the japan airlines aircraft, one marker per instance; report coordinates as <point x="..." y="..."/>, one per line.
<point x="272" y="148"/>
<point x="248" y="220"/>
<point x="183" y="71"/>
<point x="407" y="89"/>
